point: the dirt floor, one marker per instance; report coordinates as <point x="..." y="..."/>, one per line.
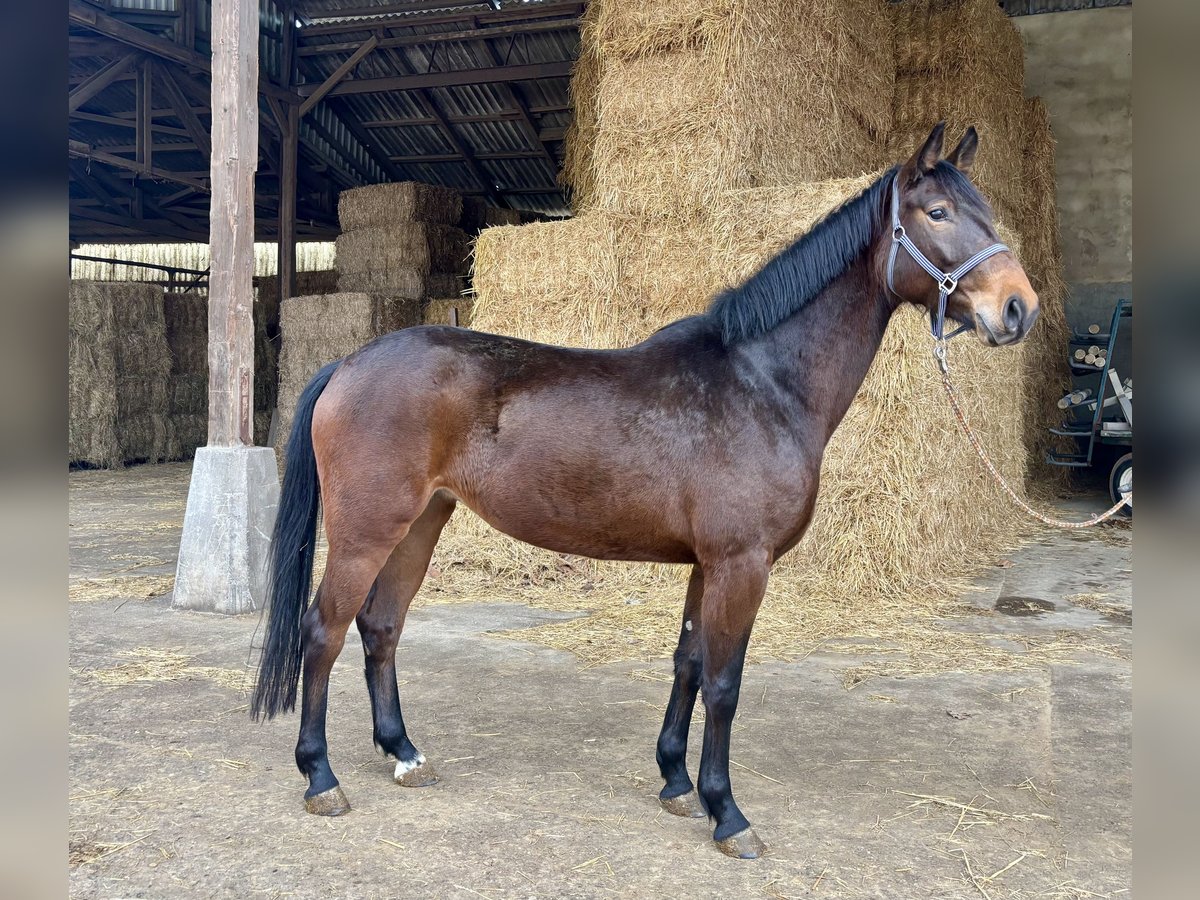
<point x="1001" y="784"/>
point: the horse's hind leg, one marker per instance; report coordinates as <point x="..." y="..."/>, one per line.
<point x="381" y="621"/>
<point x="678" y="796"/>
<point x="356" y="556"/>
<point x="733" y="590"/>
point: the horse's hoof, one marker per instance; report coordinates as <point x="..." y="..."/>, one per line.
<point x="328" y="803"/>
<point x="415" y="773"/>
<point x="743" y="845"/>
<point x="686" y="805"/>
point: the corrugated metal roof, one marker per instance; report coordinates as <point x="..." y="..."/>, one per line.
<point x="510" y="132"/>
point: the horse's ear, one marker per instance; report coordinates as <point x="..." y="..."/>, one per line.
<point x="963" y="156"/>
<point x="927" y="157"/>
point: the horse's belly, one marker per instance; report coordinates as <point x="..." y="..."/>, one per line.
<point x="596" y="536"/>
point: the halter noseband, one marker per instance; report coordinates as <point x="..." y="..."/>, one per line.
<point x="947" y="282"/>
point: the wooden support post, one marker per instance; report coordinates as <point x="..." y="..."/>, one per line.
<point x="234" y="490"/>
<point x="231" y="223"/>
<point x="289" y="146"/>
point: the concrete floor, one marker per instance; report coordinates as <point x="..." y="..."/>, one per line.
<point x="1009" y="784"/>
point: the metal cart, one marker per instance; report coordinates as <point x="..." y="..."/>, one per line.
<point x="1103" y="414"/>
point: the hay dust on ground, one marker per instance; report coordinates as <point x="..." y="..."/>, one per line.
<point x="130" y="587"/>
<point x="149" y="664"/>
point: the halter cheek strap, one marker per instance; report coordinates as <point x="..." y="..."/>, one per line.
<point x="947" y="281"/>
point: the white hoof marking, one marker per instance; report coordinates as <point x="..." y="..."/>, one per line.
<point x="404" y="767"/>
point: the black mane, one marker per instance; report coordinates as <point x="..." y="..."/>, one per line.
<point x="794" y="276"/>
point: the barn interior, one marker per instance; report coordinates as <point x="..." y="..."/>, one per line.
<point x="583" y="173"/>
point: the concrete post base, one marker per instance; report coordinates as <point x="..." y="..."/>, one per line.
<point x="227" y="530"/>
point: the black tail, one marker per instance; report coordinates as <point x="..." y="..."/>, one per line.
<point x="293" y="543"/>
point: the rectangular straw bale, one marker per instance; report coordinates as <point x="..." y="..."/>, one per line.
<point x="91" y="377"/>
<point x="551" y="281"/>
<point x="405" y="245"/>
<point x="578" y="173"/>
<point x="401" y="282"/>
<point x="948" y="36"/>
<point x="1049" y="373"/>
<point x="479" y="214"/>
<point x="404" y="201"/>
<point x="118" y="373"/>
<point x="962" y="61"/>
<point x="320" y="329"/>
<point x="437" y="312"/>
<point x="187" y="332"/>
<point x="996" y="111"/>
<point x="776" y="93"/>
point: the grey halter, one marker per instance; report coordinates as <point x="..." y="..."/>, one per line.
<point x="947" y="282"/>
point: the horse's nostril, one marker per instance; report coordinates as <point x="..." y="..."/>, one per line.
<point x="1014" y="313"/>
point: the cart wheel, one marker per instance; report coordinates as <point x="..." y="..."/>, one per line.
<point x="1121" y="482"/>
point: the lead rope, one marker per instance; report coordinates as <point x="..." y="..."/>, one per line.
<point x="939" y="353"/>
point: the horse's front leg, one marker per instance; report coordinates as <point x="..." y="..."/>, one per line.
<point x="733" y="590"/>
<point x="678" y="796"/>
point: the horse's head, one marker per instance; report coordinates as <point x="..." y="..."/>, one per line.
<point x="948" y="221"/>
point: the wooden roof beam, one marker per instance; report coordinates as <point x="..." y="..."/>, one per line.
<point x="438" y="37"/>
<point x="86" y="16"/>
<point x="102" y="79"/>
<point x="80" y="150"/>
<point x="489" y="75"/>
<point x="183" y="111"/>
<point x="525" y="12"/>
<point x="338" y="74"/>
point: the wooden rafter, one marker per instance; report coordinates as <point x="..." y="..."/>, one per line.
<point x="81" y="150"/>
<point x="338" y="74"/>
<point x="102" y="79"/>
<point x="439" y="37"/>
<point x="431" y="109"/>
<point x="420" y="82"/>
<point x="183" y="111"/>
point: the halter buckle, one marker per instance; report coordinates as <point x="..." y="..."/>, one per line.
<point x="898" y="232"/>
<point x="948" y="285"/>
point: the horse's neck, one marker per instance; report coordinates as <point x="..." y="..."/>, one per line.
<point x="822" y="353"/>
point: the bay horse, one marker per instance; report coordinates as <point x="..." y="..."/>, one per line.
<point x="701" y="445"/>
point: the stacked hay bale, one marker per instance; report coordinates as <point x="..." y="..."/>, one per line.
<point x="187" y="338"/>
<point x="317" y="330"/>
<point x="321" y="281"/>
<point x="400" y="240"/>
<point x="962" y="61"/>
<point x="694" y="157"/>
<point x="1041" y="254"/>
<point x="688" y="98"/>
<point x="449" y="311"/>
<point x="118" y="373"/>
<point x="478" y="214"/>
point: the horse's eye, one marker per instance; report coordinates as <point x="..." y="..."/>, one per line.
<point x="937" y="214"/>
